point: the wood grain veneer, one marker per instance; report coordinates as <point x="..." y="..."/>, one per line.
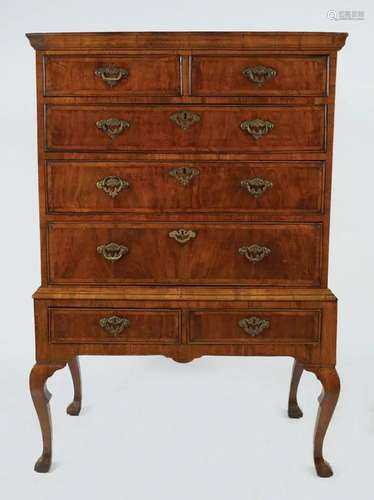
<point x="228" y="136"/>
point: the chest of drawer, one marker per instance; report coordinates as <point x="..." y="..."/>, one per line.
<point x="117" y="187"/>
<point x="267" y="75"/>
<point x="189" y="129"/>
<point x="114" y="326"/>
<point x="109" y="75"/>
<point x="267" y="254"/>
<point x="254" y="326"/>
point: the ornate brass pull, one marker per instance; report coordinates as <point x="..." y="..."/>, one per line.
<point x="182" y="236"/>
<point x="112" y="127"/>
<point x="112" y="74"/>
<point x="184" y="175"/>
<point x="184" y="119"/>
<point x="114" y="324"/>
<point x="254" y="326"/>
<point x="112" y="251"/>
<point x="256" y="186"/>
<point x="257" y="128"/>
<point x="259" y="74"/>
<point x="255" y="253"/>
<point x="112" y="185"/>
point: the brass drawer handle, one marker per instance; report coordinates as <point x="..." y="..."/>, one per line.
<point x="111" y="74"/>
<point x="184" y="119"/>
<point x="253" y="325"/>
<point x="182" y="236"/>
<point x="112" y="127"/>
<point x="256" y="186"/>
<point x="112" y="251"/>
<point x="259" y="74"/>
<point x="112" y="185"/>
<point x="184" y="175"/>
<point x="254" y="253"/>
<point x="257" y="128"/>
<point x="114" y="324"/>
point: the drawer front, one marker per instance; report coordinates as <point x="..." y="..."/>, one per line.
<point x="189" y="129"/>
<point x="270" y="75"/>
<point x="116" y="187"/>
<point x="266" y="254"/>
<point x="114" y="326"/>
<point x="254" y="326"/>
<point x="108" y="75"/>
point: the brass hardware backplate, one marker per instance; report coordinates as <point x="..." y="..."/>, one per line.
<point x="112" y="251"/>
<point x="114" y="324"/>
<point x="256" y="186"/>
<point x="112" y="185"/>
<point x="112" y="74"/>
<point x="254" y="253"/>
<point x="259" y="74"/>
<point x="257" y="128"/>
<point x="112" y="127"/>
<point x="253" y="326"/>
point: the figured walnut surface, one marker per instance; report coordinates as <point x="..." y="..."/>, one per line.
<point x="184" y="185"/>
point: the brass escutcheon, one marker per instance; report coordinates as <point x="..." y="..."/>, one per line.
<point x="111" y="74"/>
<point x="112" y="251"/>
<point x="259" y="74"/>
<point x="114" y="324"/>
<point x="256" y="186"/>
<point x="112" y="185"/>
<point x="184" y="175"/>
<point x="184" y="119"/>
<point x="254" y="253"/>
<point x="182" y="236"/>
<point x="253" y="325"/>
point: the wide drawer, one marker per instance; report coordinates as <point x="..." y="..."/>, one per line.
<point x="72" y="325"/>
<point x="287" y="187"/>
<point x="254" y="326"/>
<point x="190" y="129"/>
<point x="109" y="75"/>
<point x="270" y="75"/>
<point x="266" y="254"/>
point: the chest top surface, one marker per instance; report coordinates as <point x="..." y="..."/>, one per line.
<point x="272" y="40"/>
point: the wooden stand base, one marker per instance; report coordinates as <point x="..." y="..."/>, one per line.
<point x="61" y="338"/>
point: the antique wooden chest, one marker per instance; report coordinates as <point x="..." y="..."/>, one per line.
<point x="184" y="183"/>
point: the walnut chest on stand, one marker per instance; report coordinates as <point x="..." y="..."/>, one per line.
<point x="184" y="184"/>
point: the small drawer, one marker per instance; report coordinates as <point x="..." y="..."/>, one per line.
<point x="210" y="187"/>
<point x="109" y="75"/>
<point x="73" y="325"/>
<point x="254" y="326"/>
<point x="185" y="253"/>
<point x="268" y="75"/>
<point x="241" y="129"/>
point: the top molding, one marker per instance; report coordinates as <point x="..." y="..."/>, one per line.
<point x="251" y="40"/>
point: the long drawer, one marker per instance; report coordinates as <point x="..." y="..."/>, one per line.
<point x="116" y="187"/>
<point x="262" y="74"/>
<point x="254" y="326"/>
<point x="72" y="325"/>
<point x="185" y="129"/>
<point x="109" y="253"/>
<point x="110" y="75"/>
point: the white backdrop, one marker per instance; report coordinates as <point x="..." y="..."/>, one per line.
<point x="217" y="427"/>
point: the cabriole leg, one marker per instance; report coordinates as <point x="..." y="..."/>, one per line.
<point x="294" y="410"/>
<point x="41" y="396"/>
<point x="329" y="379"/>
<point x="75" y="406"/>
